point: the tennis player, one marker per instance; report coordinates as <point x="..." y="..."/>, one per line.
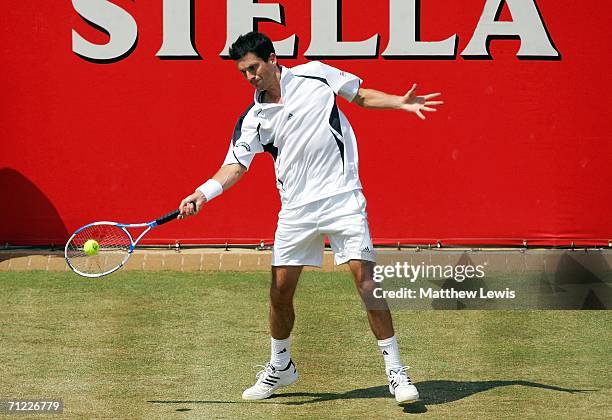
<point x="295" y="118"/>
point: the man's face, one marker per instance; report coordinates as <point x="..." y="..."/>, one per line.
<point x="259" y="73"/>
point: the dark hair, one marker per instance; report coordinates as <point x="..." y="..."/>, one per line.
<point x="253" y="42"/>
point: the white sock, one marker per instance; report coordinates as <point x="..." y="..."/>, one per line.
<point x="280" y="353"/>
<point x="390" y="352"/>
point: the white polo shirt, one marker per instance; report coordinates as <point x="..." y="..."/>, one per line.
<point x="312" y="143"/>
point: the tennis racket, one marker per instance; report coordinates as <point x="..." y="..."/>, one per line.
<point x="101" y="248"/>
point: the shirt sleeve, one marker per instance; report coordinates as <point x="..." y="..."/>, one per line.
<point x="245" y="142"/>
<point x="343" y="83"/>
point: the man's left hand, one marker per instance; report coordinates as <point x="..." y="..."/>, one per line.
<point x="412" y="103"/>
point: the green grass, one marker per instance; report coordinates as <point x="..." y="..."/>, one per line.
<point x="158" y="345"/>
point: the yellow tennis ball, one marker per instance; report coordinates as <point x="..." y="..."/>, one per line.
<point x="91" y="247"/>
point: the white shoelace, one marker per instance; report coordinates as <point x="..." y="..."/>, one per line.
<point x="268" y="369"/>
<point x="400" y="376"/>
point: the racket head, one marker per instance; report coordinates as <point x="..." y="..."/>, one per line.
<point x="115" y="247"/>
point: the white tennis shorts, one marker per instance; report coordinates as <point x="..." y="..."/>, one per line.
<point x="300" y="234"/>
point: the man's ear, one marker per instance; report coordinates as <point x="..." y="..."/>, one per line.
<point x="272" y="59"/>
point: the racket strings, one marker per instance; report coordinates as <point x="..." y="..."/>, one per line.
<point x="114" y="248"/>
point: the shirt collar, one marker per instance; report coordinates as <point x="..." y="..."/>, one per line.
<point x="286" y="76"/>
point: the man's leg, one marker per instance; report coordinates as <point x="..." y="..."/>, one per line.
<point x="381" y="324"/>
<point x="280" y="371"/>
<point x="282" y="314"/>
<point x="282" y="289"/>
<point x="379" y="315"/>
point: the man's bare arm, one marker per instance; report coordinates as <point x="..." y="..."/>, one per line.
<point x="410" y="102"/>
<point x="227" y="176"/>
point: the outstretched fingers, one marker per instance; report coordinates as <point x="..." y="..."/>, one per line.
<point x="421" y="103"/>
<point x="411" y="91"/>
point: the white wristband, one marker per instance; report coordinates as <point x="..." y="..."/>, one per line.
<point x="211" y="189"/>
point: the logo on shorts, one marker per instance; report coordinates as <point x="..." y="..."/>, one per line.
<point x="366" y="249"/>
<point x="243" y="144"/>
<point x="290" y="116"/>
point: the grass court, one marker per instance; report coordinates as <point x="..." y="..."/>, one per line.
<point x="184" y="345"/>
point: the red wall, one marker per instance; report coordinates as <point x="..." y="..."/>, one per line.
<point x="520" y="150"/>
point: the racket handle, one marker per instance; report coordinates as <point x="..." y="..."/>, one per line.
<point x="171" y="216"/>
<point x="167" y="217"/>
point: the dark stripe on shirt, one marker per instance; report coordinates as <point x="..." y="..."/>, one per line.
<point x="334" y="118"/>
<point x="238" y="132"/>
<point x="334" y="122"/>
<point x="320" y="79"/>
<point x="238" y="127"/>
<point x="340" y="148"/>
<point x="272" y="149"/>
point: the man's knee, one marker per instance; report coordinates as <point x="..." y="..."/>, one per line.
<point x="366" y="291"/>
<point x="280" y="295"/>
<point x="284" y="282"/>
<point x="363" y="273"/>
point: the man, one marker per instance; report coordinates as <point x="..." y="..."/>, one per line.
<point x="295" y="118"/>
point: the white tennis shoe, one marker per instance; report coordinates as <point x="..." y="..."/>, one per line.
<point x="269" y="379"/>
<point x="401" y="385"/>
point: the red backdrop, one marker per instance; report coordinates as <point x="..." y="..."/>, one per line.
<point x="520" y="150"/>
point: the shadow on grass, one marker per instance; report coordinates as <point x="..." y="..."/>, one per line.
<point x="432" y="393"/>
<point x="442" y="392"/>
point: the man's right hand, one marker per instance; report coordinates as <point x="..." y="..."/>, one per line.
<point x="186" y="208"/>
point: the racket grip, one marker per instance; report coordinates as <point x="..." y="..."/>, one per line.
<point x="170" y="216"/>
<point x="167" y="217"/>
